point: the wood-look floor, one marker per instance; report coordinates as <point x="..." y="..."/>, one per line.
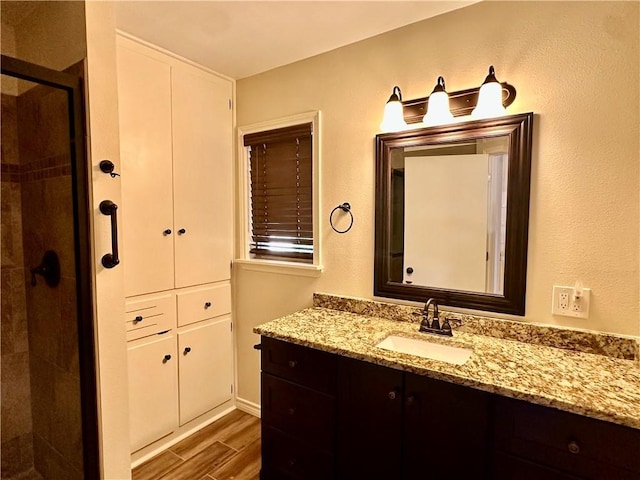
<point x="228" y="449"/>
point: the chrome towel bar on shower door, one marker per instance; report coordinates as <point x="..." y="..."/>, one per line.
<point x="110" y="260"/>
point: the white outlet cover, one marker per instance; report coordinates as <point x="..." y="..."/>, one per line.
<point x="571" y="306"/>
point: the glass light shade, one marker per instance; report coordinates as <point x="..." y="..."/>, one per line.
<point x="393" y="120"/>
<point x="438" y="111"/>
<point x="489" y="98"/>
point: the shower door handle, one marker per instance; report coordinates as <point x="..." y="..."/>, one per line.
<point x="107" y="207"/>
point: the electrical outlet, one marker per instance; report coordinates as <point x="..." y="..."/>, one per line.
<point x="569" y="302"/>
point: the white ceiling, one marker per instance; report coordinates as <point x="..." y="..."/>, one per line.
<point x="242" y="38"/>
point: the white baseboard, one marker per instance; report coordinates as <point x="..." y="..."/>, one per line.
<point x="248" y="407"/>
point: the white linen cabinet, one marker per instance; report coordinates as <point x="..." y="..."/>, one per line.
<point x="176" y="160"/>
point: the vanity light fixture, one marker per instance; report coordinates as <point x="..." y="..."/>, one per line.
<point x="490" y="98"/>
<point x="438" y="108"/>
<point x="393" y="120"/>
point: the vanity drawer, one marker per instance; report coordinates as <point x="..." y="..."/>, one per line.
<point x="285" y="456"/>
<point x="299" y="411"/>
<point x="149" y="315"/>
<point x="196" y="304"/>
<point x="586" y="447"/>
<point x="306" y="366"/>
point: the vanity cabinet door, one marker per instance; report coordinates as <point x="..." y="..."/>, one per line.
<point x="507" y="467"/>
<point x="446" y="430"/>
<point x="144" y="103"/>
<point x="202" y="180"/>
<point x="205" y="368"/>
<point x="369" y="421"/>
<point x="153" y="389"/>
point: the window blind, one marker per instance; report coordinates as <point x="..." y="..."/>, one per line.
<point x="281" y="192"/>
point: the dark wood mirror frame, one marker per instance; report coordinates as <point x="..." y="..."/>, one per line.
<point x="518" y="129"/>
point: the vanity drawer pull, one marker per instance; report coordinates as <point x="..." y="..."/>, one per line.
<point x="187" y="350"/>
<point x="573" y="447"/>
<point x="392" y="395"/>
<point x="138" y="319"/>
<point x="207" y="305"/>
<point x="166" y="358"/>
<point x="291" y="411"/>
<point x="292" y="363"/>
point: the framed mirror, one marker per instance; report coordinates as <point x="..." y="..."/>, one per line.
<point x="452" y="214"/>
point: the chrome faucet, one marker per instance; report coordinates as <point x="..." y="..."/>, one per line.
<point x="434" y="326"/>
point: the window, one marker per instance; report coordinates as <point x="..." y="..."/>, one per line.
<point x="281" y="191"/>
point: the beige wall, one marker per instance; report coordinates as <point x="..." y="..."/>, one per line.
<point x="52" y="34"/>
<point x="103" y="142"/>
<point x="574" y="64"/>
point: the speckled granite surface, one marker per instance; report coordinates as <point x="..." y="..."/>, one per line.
<point x="597" y="386"/>
<point x="581" y="341"/>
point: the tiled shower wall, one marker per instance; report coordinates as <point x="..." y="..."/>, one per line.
<point x="17" y="439"/>
<point x="41" y="216"/>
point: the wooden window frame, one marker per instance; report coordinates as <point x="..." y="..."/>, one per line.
<point x="280" y="265"/>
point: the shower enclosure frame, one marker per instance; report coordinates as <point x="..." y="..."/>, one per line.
<point x="73" y="84"/>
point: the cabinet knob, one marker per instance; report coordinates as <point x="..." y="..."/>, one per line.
<point x="207" y="304"/>
<point x="392" y="395"/>
<point x="292" y="363"/>
<point x="574" y="447"/>
<point x="139" y="318"/>
<point x="411" y="400"/>
<point x="182" y="231"/>
<point x="292" y="462"/>
<point x="167" y="232"/>
<point x="166" y="358"/>
<point x="291" y="411"/>
<point x="187" y="350"/>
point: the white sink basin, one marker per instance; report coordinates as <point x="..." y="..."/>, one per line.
<point x="426" y="349"/>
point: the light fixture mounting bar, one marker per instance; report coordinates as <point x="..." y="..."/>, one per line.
<point x="461" y="103"/>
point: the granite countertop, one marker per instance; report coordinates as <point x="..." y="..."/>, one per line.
<point x="593" y="385"/>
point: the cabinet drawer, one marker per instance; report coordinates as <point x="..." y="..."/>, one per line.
<point x="299" y="411"/>
<point x="288" y="457"/>
<point x="583" y="446"/>
<point x="303" y="365"/>
<point x="150" y="315"/>
<point x="199" y="304"/>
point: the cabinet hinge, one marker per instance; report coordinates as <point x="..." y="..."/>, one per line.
<point x="229" y="104"/>
<point x="232" y="388"/>
<point x="231" y="325"/>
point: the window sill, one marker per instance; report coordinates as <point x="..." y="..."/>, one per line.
<point x="283" y="268"/>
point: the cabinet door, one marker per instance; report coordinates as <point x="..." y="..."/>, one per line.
<point x="202" y="160"/>
<point x="206" y="368"/>
<point x="369" y="421"/>
<point x="153" y="390"/>
<point x="446" y="430"/>
<point x="144" y="102"/>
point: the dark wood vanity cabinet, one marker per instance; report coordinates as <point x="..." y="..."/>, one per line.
<point x="531" y="439"/>
<point x="396" y="425"/>
<point x="330" y="417"/>
<point x="298" y="412"/>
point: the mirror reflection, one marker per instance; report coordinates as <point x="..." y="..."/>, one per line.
<point x="449" y="213"/>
